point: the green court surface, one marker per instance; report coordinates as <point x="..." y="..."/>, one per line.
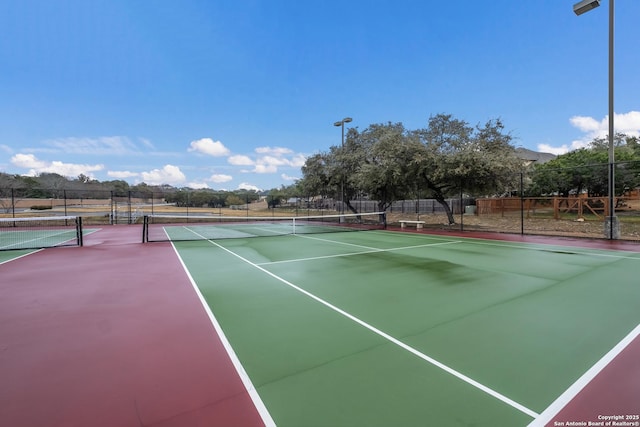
<point x="16" y="240"/>
<point x="38" y="239"/>
<point x="9" y="255"/>
<point x="381" y="328"/>
<point x="40" y="232"/>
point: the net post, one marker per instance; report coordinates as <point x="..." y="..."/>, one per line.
<point x="79" y="233"/>
<point x="145" y="228"/>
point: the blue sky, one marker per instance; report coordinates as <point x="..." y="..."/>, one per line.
<point x="230" y="94"/>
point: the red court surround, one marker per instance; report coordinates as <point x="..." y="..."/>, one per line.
<point x="111" y="334"/>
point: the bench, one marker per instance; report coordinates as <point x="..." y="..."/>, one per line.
<point x="418" y="224"/>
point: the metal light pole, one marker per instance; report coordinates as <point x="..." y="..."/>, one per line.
<point x="341" y="124"/>
<point x="612" y="230"/>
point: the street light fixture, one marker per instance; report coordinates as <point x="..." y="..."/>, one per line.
<point x="612" y="230"/>
<point x="341" y="124"/>
<point x="585" y="6"/>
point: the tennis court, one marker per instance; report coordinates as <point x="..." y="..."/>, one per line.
<point x="351" y="328"/>
<point x="383" y="328"/>
<point x="40" y="232"/>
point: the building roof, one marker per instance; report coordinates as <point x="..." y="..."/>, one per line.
<point x="534" y="156"/>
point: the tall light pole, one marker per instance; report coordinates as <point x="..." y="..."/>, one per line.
<point x="611" y="227"/>
<point x="341" y="124"/>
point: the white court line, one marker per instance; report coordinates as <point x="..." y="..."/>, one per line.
<point x="35" y="239"/>
<point x="244" y="377"/>
<point x="371" y="251"/>
<point x="445" y="242"/>
<point x="547" y="415"/>
<point x="572" y="249"/>
<point x="33" y="251"/>
<point x="318" y="257"/>
<point x="389" y="338"/>
<point x="578" y="250"/>
<point x="301" y="236"/>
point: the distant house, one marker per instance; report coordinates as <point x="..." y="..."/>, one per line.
<point x="533" y="157"/>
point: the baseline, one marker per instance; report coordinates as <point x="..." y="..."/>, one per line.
<point x="570" y="394"/>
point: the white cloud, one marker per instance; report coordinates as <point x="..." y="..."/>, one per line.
<point x="546" y="148"/>
<point x="246" y="186"/>
<point x="240" y="160"/>
<point x="27" y="161"/>
<point x="298" y="160"/>
<point x="122" y="174"/>
<point x="265" y="168"/>
<point x="37" y="166"/>
<point x="276" y="151"/>
<point x="146" y="143"/>
<point x="287" y="177"/>
<point x="586" y="124"/>
<point x="209" y="146"/>
<point x="274" y="161"/>
<point x="198" y="185"/>
<point x="273" y="158"/>
<point x="627" y="123"/>
<point x="268" y="160"/>
<point x="220" y="178"/>
<point x="169" y="174"/>
<point x="6" y="149"/>
<point x="119" y="145"/>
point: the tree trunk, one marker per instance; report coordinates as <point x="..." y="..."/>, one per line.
<point x="350" y="207"/>
<point x="439" y="197"/>
<point x="447" y="209"/>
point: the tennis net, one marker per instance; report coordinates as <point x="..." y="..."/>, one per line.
<point x="158" y="228"/>
<point x="40" y="232"/>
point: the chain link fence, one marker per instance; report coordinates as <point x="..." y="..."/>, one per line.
<point x="95" y="206"/>
<point x="570" y="202"/>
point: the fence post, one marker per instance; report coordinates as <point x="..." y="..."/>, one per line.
<point x="580" y="206"/>
<point x="521" y="203"/>
<point x="461" y="211"/>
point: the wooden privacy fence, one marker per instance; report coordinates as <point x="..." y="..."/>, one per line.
<point x="554" y="207"/>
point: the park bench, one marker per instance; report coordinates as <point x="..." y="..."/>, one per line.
<point x="418" y="224"/>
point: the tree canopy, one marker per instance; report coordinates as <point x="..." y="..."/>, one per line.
<point x="586" y="170"/>
<point x="389" y="162"/>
